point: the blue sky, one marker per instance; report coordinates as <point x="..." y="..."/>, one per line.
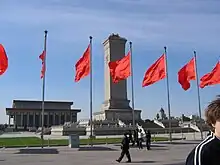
<point x="183" y="26"/>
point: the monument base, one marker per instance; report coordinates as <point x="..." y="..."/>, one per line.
<point x="117" y="114"/>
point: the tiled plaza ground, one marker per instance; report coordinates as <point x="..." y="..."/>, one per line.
<point x="161" y="154"/>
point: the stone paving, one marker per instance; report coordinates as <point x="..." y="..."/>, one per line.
<point x="161" y="154"/>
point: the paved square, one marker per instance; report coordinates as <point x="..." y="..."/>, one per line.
<point x="161" y="154"/>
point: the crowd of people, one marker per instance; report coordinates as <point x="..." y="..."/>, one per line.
<point x="131" y="138"/>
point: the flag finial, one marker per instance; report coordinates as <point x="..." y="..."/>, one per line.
<point x="45" y="32"/>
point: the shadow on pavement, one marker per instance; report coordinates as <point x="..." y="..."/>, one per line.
<point x="158" y="148"/>
<point x="180" y="143"/>
<point x="146" y="161"/>
<point x="152" y="145"/>
<point x="155" y="145"/>
<point x="96" y="148"/>
<point x="181" y="163"/>
<point x="38" y="151"/>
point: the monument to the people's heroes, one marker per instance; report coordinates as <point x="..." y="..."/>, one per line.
<point x="116" y="104"/>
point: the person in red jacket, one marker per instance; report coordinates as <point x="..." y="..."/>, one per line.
<point x="208" y="151"/>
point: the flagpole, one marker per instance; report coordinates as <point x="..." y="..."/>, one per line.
<point x="132" y="85"/>
<point x="168" y="95"/>
<point x="198" y="95"/>
<point x="91" y="111"/>
<point x="43" y="91"/>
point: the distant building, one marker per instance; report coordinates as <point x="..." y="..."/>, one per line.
<point x="27" y="114"/>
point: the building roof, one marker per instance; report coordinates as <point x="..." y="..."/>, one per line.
<point x="37" y="109"/>
<point x="34" y="101"/>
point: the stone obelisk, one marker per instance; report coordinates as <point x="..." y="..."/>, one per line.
<point x="116" y="104"/>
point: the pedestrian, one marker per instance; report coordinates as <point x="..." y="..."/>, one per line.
<point x="148" y="139"/>
<point x="130" y="137"/>
<point x="140" y="139"/>
<point x="125" y="149"/>
<point x="136" y="137"/>
<point x="208" y="151"/>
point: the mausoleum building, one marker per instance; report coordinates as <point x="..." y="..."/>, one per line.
<point x="28" y="114"/>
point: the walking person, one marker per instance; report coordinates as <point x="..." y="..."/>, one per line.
<point x="136" y="137"/>
<point x="208" y="151"/>
<point x="148" y="139"/>
<point x="131" y="138"/>
<point x="125" y="149"/>
<point x="140" y="139"/>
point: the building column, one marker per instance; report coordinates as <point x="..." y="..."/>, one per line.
<point x="40" y="123"/>
<point x="15" y="119"/>
<point x="28" y="116"/>
<point x="65" y="117"/>
<point x="34" y="124"/>
<point x="22" y="117"/>
<point x="9" y="120"/>
<point x="48" y="119"/>
<point x="54" y="119"/>
<point x="60" y="118"/>
<point x="71" y="117"/>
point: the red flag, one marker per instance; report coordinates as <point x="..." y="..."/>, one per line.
<point x="3" y="60"/>
<point x="83" y="65"/>
<point x="211" y="78"/>
<point x="156" y="72"/>
<point x="186" y="74"/>
<point x="120" y="69"/>
<point x="43" y="69"/>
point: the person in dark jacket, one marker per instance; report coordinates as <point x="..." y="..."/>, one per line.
<point x="125" y="149"/>
<point x="148" y="139"/>
<point x="208" y="151"/>
<point x="209" y="133"/>
<point x="135" y="137"/>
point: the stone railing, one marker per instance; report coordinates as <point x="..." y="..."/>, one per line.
<point x="190" y="125"/>
<point x="195" y="127"/>
<point x="100" y="129"/>
<point x="121" y="124"/>
<point x="159" y="123"/>
<point x="71" y="128"/>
